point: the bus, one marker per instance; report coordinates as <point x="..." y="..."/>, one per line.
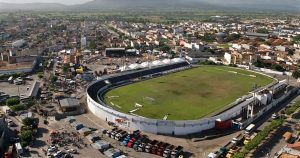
<point x="250" y="129"/>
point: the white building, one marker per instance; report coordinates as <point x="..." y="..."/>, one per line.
<point x="83" y="42"/>
<point x="227" y="57"/>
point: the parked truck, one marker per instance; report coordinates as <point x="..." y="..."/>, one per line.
<point x="155" y="147"/>
<point x="132" y="141"/>
<point x="131" y="137"/>
<point x="114" y="133"/>
<point x="121" y="135"/>
<point x="168" y="150"/>
<point x="143" y="145"/>
<point x="126" y="140"/>
<point x="223" y="150"/>
<point x="108" y="133"/>
<point x="139" y="141"/>
<point x="176" y="152"/>
<point x="232" y="151"/>
<point x="248" y="139"/>
<point x="150" y="145"/>
<point x="161" y="149"/>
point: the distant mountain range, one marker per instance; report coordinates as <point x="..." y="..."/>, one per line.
<point x="282" y="5"/>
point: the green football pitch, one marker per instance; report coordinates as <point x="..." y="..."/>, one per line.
<point x="186" y="95"/>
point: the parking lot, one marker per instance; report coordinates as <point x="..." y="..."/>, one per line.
<point x="191" y="149"/>
<point x="15" y="90"/>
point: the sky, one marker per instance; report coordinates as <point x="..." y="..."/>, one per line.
<point x="219" y="2"/>
<point x="67" y="2"/>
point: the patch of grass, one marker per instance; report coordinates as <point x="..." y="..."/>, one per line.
<point x="202" y="92"/>
<point x="293" y="108"/>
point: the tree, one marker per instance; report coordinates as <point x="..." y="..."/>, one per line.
<point x="296" y="39"/>
<point x="291" y="52"/>
<point x="277" y="67"/>
<point x="19" y="107"/>
<point x="12" y="101"/>
<point x="296" y="74"/>
<point x="29" y="121"/>
<point x="40" y="75"/>
<point x="65" y="68"/>
<point x="165" y="48"/>
<point x="92" y="45"/>
<point x="233" y="37"/>
<point x="53" y="79"/>
<point x="26" y="137"/>
<point x="208" y="37"/>
<point x="262" y="30"/>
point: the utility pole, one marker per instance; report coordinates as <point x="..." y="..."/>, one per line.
<point x="19" y="91"/>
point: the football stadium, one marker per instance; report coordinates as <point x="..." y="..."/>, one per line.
<point x="175" y="98"/>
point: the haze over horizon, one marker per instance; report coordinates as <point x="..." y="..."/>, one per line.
<point x="220" y="2"/>
<point x="65" y="2"/>
<point x="274" y="5"/>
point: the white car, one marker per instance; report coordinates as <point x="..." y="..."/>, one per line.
<point x="274" y="116"/>
<point x="52" y="149"/>
<point x="72" y="151"/>
<point x="58" y="154"/>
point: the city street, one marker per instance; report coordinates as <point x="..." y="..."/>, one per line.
<point x="276" y="142"/>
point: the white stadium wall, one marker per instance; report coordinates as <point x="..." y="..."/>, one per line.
<point x="168" y="127"/>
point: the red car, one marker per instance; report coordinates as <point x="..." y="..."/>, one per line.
<point x="131" y="142"/>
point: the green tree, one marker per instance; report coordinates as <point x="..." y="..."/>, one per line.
<point x="291" y="52"/>
<point x="296" y="74"/>
<point x="296" y="39"/>
<point x="65" y="68"/>
<point x="165" y="48"/>
<point x="262" y="30"/>
<point x="53" y="79"/>
<point x="19" y="107"/>
<point x="12" y="101"/>
<point x="40" y="75"/>
<point x="29" y="121"/>
<point x="92" y="45"/>
<point x="26" y="137"/>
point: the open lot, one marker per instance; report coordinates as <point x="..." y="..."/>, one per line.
<point x="186" y="95"/>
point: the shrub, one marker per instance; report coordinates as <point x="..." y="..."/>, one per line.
<point x="207" y="62"/>
<point x="26" y="137"/>
<point x="40" y="75"/>
<point x="12" y="101"/>
<point x="293" y="108"/>
<point x="29" y="121"/>
<point x="19" y="107"/>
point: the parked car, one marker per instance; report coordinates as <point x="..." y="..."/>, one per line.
<point x="161" y="149"/>
<point x="142" y="146"/>
<point x="72" y="151"/>
<point x="167" y="152"/>
<point x="121" y="135"/>
<point x="155" y="147"/>
<point x="176" y="152"/>
<point x="52" y="149"/>
<point x="139" y="141"/>
<point x="108" y="133"/>
<point x="114" y="133"/>
<point x="149" y="146"/>
<point x="274" y="116"/>
<point x="58" y="154"/>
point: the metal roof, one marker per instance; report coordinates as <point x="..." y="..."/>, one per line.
<point x="69" y="102"/>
